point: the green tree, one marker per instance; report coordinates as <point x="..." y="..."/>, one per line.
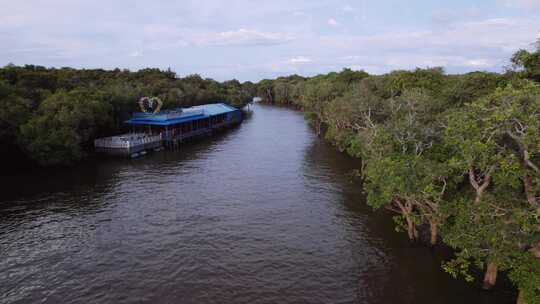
<point x="405" y="172"/>
<point x="528" y="62"/>
<point x="63" y="123"/>
<point x="493" y="140"/>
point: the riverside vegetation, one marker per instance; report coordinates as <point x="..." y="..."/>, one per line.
<point x="458" y="154"/>
<point x="51" y="116"/>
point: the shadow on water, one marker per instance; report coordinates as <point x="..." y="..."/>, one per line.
<point x="91" y="185"/>
<point x="98" y="173"/>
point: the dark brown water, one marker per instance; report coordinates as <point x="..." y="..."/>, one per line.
<point x="264" y="213"/>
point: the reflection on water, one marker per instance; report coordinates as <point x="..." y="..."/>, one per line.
<point x="264" y="213"/>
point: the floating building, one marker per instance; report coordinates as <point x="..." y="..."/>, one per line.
<point x="169" y="128"/>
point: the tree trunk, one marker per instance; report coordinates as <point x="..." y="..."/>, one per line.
<point x="480" y="193"/>
<point x="411" y="230"/>
<point x="415" y="233"/>
<point x="529" y="190"/>
<point x="535" y="250"/>
<point x="478" y="197"/>
<point x="434" y="232"/>
<point x="490" y="278"/>
<point x="520" y="299"/>
<point x="480" y="188"/>
<point x="406" y="211"/>
<point x="269" y="96"/>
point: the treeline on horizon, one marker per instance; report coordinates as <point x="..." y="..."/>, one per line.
<point x="456" y="154"/>
<point x="51" y="116"/>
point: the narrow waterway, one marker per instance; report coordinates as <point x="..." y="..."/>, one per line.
<point x="263" y="213"/>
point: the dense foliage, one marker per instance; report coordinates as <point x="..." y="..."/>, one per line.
<point x="456" y="154"/>
<point x="51" y="116"/>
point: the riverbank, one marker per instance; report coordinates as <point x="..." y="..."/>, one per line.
<point x="254" y="215"/>
<point x="455" y="153"/>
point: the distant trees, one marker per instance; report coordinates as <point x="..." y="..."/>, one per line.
<point x="458" y="155"/>
<point x="52" y="115"/>
<point x="528" y="62"/>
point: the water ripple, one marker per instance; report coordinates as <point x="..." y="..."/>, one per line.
<point x="263" y="213"/>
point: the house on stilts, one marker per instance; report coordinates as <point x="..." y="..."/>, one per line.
<point x="168" y="129"/>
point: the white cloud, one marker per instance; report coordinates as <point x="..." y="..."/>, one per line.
<point x="398" y="61"/>
<point x="463" y="46"/>
<point x="347" y="9"/>
<point x="446" y="15"/>
<point x="299" y="14"/>
<point x="135" y="54"/>
<point x="526" y="4"/>
<point x="352" y="57"/>
<point x="92" y="34"/>
<point x="494" y="22"/>
<point x="479" y="62"/>
<point x="472" y="12"/>
<point x="241" y="37"/>
<point x="300" y="60"/>
<point x="12" y="21"/>
<point x="443" y="16"/>
<point x="182" y="43"/>
<point x="488" y="35"/>
<point x="333" y="23"/>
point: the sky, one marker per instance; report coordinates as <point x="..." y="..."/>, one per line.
<point x="253" y="40"/>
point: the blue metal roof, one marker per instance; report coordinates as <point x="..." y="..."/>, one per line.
<point x="177" y="116"/>
<point x="215" y="108"/>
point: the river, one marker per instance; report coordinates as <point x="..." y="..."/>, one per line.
<point x="263" y="213"/>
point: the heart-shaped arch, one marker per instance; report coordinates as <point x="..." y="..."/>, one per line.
<point x="150" y="101"/>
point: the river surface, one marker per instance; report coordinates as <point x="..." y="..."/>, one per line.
<point x="263" y="213"/>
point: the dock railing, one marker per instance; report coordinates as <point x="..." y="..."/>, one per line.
<point x="126" y="141"/>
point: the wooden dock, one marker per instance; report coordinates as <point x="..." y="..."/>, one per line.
<point x="128" y="144"/>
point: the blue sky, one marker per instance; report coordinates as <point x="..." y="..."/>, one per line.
<point x="252" y="40"/>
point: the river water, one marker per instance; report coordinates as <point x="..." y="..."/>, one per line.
<point x="263" y="213"/>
